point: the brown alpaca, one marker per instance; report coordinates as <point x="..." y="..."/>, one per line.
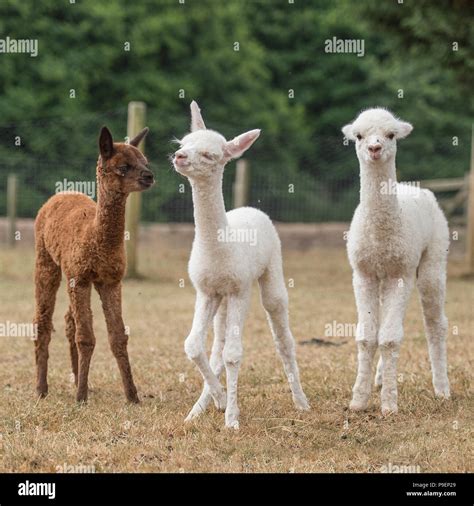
<point x="85" y="241"/>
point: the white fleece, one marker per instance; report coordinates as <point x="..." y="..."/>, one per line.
<point x="230" y="251"/>
<point x="398" y="235"/>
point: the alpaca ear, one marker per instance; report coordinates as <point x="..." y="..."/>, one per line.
<point x="197" y="123"/>
<point x="139" y="137"/>
<point x="348" y="132"/>
<point x="106" y="143"/>
<point x="238" y="145"/>
<point x="403" y="129"/>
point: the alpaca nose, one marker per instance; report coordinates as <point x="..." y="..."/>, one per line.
<point x="373" y="148"/>
<point x="179" y="155"/>
<point x="147" y="175"/>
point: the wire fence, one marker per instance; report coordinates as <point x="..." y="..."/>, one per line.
<point x="318" y="190"/>
<point x="296" y="198"/>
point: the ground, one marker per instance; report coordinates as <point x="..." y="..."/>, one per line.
<point x="108" y="435"/>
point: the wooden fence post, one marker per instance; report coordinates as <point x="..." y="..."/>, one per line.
<point x="12" y="192"/>
<point x="135" y="123"/>
<point x="242" y="184"/>
<point x="470" y="212"/>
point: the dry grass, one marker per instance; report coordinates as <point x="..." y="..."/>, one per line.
<point x="113" y="436"/>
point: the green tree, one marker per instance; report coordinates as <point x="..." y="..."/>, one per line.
<point x="249" y="64"/>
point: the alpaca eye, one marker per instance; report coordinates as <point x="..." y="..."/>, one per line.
<point x="359" y="136"/>
<point x="207" y="156"/>
<point x="124" y="169"/>
<point x="391" y="136"/>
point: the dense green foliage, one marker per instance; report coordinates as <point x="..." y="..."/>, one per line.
<point x="179" y="52"/>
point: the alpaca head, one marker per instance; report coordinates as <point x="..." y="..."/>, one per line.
<point x="203" y="153"/>
<point x="375" y="133"/>
<point x="123" y="167"/>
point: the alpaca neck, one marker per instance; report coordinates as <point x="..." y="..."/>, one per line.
<point x="110" y="217"/>
<point x="209" y="210"/>
<point x="378" y="195"/>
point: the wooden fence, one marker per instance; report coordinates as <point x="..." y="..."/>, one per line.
<point x="456" y="199"/>
<point x="458" y="188"/>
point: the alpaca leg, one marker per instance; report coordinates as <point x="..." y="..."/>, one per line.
<point x="71" y="336"/>
<point x="237" y="308"/>
<point x="275" y="301"/>
<point x="395" y="294"/>
<point x="111" y="297"/>
<point x="432" y="287"/>
<point x="366" y="290"/>
<point x="47" y="281"/>
<point x="379" y="373"/>
<point x="195" y="345"/>
<point x="216" y="362"/>
<point x="80" y="296"/>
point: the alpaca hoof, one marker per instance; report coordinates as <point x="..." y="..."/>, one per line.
<point x="389" y="410"/>
<point x="233" y="425"/>
<point x="301" y="403"/>
<point x="232" y="420"/>
<point x="42" y="393"/>
<point x="358" y="404"/>
<point x="191" y="416"/>
<point x="81" y="398"/>
<point x="194" y="413"/>
<point x="132" y="397"/>
<point x="220" y="400"/>
<point x="443" y="392"/>
<point x="378" y="381"/>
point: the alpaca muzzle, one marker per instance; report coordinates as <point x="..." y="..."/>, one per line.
<point x="147" y="179"/>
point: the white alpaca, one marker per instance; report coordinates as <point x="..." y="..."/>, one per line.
<point x="229" y="252"/>
<point x="398" y="233"/>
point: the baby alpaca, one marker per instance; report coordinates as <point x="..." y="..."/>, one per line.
<point x="85" y="241"/>
<point x="398" y="233"/>
<point x="229" y="252"/>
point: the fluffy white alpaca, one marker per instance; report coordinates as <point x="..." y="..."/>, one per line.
<point x="398" y="234"/>
<point x="229" y="252"/>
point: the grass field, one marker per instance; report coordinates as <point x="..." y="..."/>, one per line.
<point x="111" y="436"/>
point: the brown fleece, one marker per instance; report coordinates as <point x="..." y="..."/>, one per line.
<point x="85" y="241"/>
